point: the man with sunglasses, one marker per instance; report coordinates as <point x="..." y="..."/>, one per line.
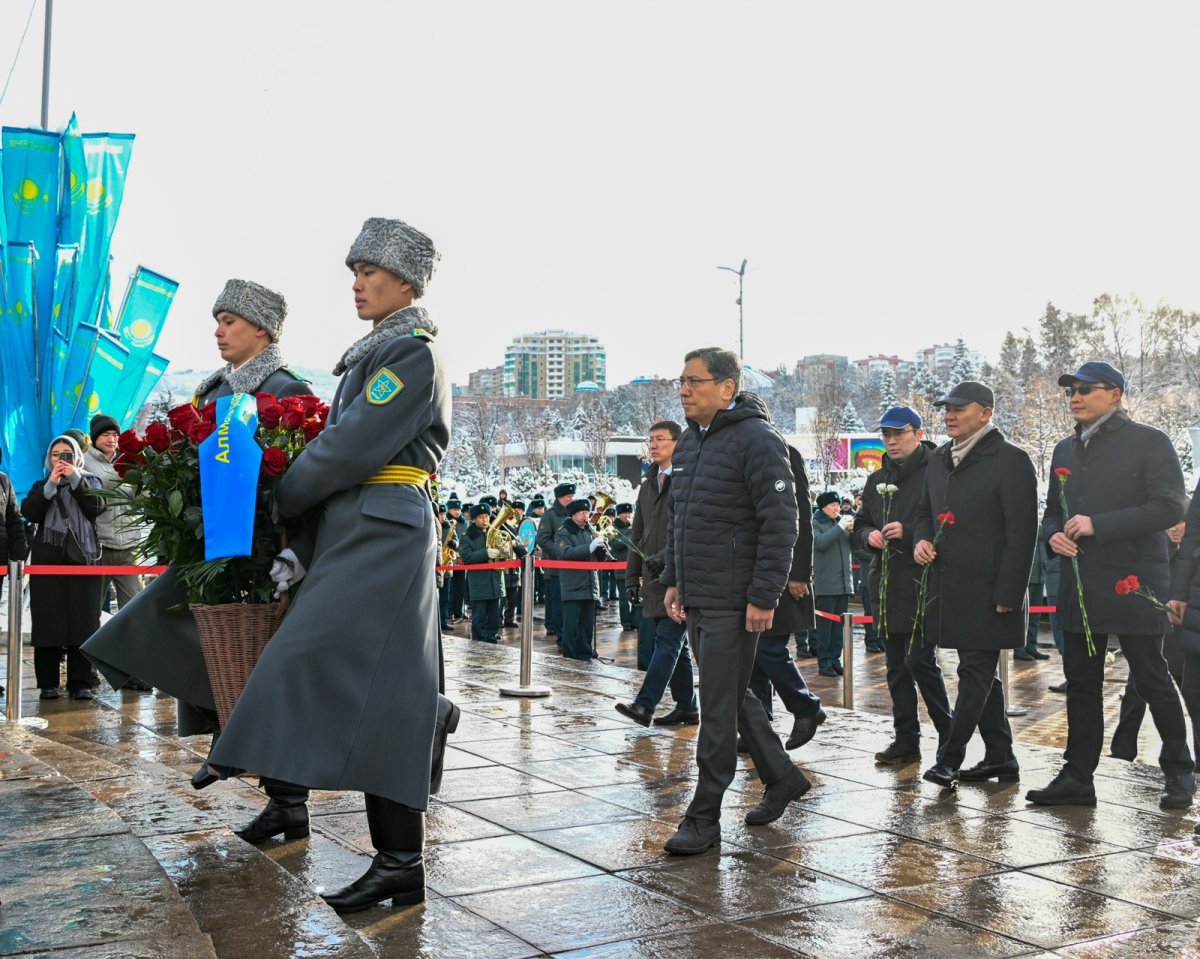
<point x="1124" y="489"/>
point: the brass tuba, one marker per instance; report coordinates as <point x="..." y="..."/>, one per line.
<point x="498" y="537"/>
<point x="604" y="501"/>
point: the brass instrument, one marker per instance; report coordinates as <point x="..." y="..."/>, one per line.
<point x="449" y="556"/>
<point x="498" y="536"/>
<point x="604" y="501"/>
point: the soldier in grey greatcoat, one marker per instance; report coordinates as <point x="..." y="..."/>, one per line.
<point x="345" y="696"/>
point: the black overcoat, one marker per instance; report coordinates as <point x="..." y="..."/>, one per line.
<point x="1128" y="481"/>
<point x="574" y="543"/>
<point x="13" y="543"/>
<point x="983" y="560"/>
<point x="1185" y="578"/>
<point x="797" y="615"/>
<point x="484" y="583"/>
<point x="644" y="564"/>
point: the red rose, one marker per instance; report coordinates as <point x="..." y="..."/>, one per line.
<point x="269" y="416"/>
<point x="310" y="403"/>
<point x="274" y="461"/>
<point x="183" y="416"/>
<point x="292" y="403"/>
<point x="1062" y="472"/>
<point x="158" y="437"/>
<point x="199" y="432"/>
<point x="130" y="443"/>
<point x="293" y="419"/>
<point x="209" y="413"/>
<point x="264" y="400"/>
<point x="312" y="429"/>
<point x="946" y="517"/>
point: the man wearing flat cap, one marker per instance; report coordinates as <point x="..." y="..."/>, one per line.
<point x="886" y="522"/>
<point x="549" y="525"/>
<point x="980" y="492"/>
<point x="1124" y="489"/>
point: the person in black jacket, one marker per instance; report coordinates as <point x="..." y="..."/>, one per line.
<point x="486" y="585"/>
<point x="886" y="519"/>
<point x="1124" y="489"/>
<point x="730" y="533"/>
<point x="13" y="545"/>
<point x="987" y="491"/>
<point x="774" y="668"/>
<point x="1184" y="607"/>
<point x="619" y="547"/>
<point x="548" y="526"/>
<point x="579" y="542"/>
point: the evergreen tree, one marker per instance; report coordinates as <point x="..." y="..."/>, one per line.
<point x="851" y="421"/>
<point x="961" y="367"/>
<point x="887" y="391"/>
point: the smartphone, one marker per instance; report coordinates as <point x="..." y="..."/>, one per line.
<point x="67" y="456"/>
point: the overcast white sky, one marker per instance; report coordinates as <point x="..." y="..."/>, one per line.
<point x="896" y="174"/>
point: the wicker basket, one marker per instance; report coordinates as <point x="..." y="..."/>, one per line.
<point x="232" y="636"/>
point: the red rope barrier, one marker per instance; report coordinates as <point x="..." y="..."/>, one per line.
<point x="51" y="570"/>
<point x="570" y="564"/>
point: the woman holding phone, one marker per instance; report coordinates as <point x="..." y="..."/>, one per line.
<point x="65" y="610"/>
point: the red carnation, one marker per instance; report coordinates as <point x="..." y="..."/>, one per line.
<point x="946" y="517"/>
<point x="158" y="437"/>
<point x="274" y="461"/>
<point x="1062" y="472"/>
<point x="1133" y="583"/>
<point x="183" y="417"/>
<point x="312" y="429"/>
<point x="1122" y="588"/>
<point x="293" y="419"/>
<point x="199" y="432"/>
<point x="130" y="443"/>
<point x="270" y="415"/>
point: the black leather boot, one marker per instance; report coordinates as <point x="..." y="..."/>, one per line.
<point x="398" y="870"/>
<point x="447" y="721"/>
<point x="286" y="813"/>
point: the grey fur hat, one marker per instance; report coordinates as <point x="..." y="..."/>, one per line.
<point x="256" y="304"/>
<point x="398" y="248"/>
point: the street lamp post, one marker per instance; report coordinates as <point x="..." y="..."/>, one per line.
<point x="46" y="65"/>
<point x="741" y="275"/>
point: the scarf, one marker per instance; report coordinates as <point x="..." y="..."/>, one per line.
<point x="248" y="377"/>
<point x="960" y="448"/>
<point x="400" y="323"/>
<point x="64" y="512"/>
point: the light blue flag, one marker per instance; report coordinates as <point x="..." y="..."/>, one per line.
<point x="229" y="464"/>
<point x="72" y="212"/>
<point x="108" y="366"/>
<point x="107" y="158"/>
<point x="140" y="321"/>
<point x="31" y="174"/>
<point x="155" y="368"/>
<point x="20" y="432"/>
<point x="3" y="224"/>
<point x="69" y="394"/>
<point x="51" y="347"/>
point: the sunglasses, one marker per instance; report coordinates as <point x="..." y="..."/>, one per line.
<point x="1086" y="388"/>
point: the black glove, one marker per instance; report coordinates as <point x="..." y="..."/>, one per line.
<point x="635" y="595"/>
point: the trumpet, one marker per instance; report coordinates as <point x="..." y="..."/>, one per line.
<point x="604" y="501"/>
<point x="498" y="536"/>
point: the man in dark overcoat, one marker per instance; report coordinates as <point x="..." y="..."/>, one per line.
<point x="730" y="533"/>
<point x="886" y="520"/>
<point x="981" y="492"/>
<point x="513" y="585"/>
<point x="548" y="526"/>
<point x="618" y="546"/>
<point x="458" y="577"/>
<point x="1124" y="489"/>
<point x="486" y="585"/>
<point x="577" y="541"/>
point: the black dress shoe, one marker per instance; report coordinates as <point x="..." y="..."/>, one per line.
<point x="693" y="837"/>
<point x="399" y="876"/>
<point x="1178" y="791"/>
<point x="1058" y="687"/>
<point x="50" y="692"/>
<point x="288" y="816"/>
<point x="1038" y="654"/>
<point x="1006" y="771"/>
<point x="679" y="717"/>
<point x="803" y="729"/>
<point x="942" y="775"/>
<point x="138" y="685"/>
<point x="204" y="777"/>
<point x="1064" y="790"/>
<point x="839" y="670"/>
<point x="84" y="692"/>
<point x="639" y="714"/>
<point x="742" y="747"/>
<point x="777" y="796"/>
<point x="827" y="671"/>
<point x="897" y="754"/>
<point x="1022" y="654"/>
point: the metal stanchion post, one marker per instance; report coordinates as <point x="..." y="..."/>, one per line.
<point x="526" y="688"/>
<point x="848" y="661"/>
<point x="1006" y="685"/>
<point x="14" y="680"/>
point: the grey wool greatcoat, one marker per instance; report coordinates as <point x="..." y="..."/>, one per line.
<point x="154" y="637"/>
<point x="573" y="543"/>
<point x="345" y="694"/>
<point x="649" y="535"/>
<point x="983" y="560"/>
<point x="1128" y="480"/>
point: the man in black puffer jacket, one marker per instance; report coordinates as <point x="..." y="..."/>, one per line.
<point x="730" y="532"/>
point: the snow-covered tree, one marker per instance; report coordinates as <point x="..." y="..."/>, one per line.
<point x="887" y="390"/>
<point x="851" y="421"/>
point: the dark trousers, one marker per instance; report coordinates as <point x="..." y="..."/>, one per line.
<point x="670" y="664"/>
<point x="513" y="592"/>
<point x="864" y="597"/>
<point x="774" y="667"/>
<point x="578" y="629"/>
<point x="608" y="584"/>
<point x="647" y="631"/>
<point x="47" y="665"/>
<point x="458" y="592"/>
<point x="1133" y="707"/>
<point x="539" y="586"/>
<point x="1085" y="702"/>
<point x="829" y="633"/>
<point x="485" y="620"/>
<point x="1035" y="599"/>
<point x="554" y="616"/>
<point x="628" y="615"/>
<point x="725" y="654"/>
<point x="906" y="673"/>
<point x="444" y="592"/>
<point x="980" y="705"/>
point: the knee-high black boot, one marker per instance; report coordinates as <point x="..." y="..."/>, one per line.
<point x="398" y="869"/>
<point x="286" y="813"/>
<point x="447" y="721"/>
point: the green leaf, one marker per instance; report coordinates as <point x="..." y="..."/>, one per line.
<point x="175" y="502"/>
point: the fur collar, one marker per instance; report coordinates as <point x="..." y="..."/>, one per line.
<point x="400" y="323"/>
<point x="250" y="376"/>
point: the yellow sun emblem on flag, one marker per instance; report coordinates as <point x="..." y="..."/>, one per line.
<point x="29" y="196"/>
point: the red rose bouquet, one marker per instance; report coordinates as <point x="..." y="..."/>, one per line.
<point x="160" y="483"/>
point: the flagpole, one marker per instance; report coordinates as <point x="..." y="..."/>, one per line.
<point x="46" y="66"/>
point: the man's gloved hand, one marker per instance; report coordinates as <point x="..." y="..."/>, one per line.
<point x="493" y="553"/>
<point x="286" y="571"/>
<point x="635" y="595"/>
<point x="597" y="544"/>
<point x="654" y="566"/>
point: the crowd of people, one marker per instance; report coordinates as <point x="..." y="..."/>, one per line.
<point x="727" y="556"/>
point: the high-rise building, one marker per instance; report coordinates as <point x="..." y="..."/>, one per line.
<point x="552" y="363"/>
<point x="486" y="382"/>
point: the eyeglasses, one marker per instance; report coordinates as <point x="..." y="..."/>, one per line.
<point x="691" y="382"/>
<point x="1086" y="388"/>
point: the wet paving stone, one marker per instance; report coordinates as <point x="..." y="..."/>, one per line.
<point x="873" y="808"/>
<point x="1152" y="881"/>
<point x="612" y="845"/>
<point x="463" y="785"/>
<point x="741" y="884"/>
<point x="198" y="946"/>
<point x="878" y="928"/>
<point x="15" y="764"/>
<point x="725" y="941"/>
<point x="319" y="862"/>
<point x="32" y="809"/>
<point x="795" y="827"/>
<point x="664" y="799"/>
<point x="85" y="890"/>
<point x="567" y="725"/>
<point x="149" y="810"/>
<point x="1183" y="850"/>
<point x="438" y="929"/>
<point x="442" y="824"/>
<point x="865" y="770"/>
<point x="881" y="861"/>
<point x="583" y="912"/>
<point x="1032" y="909"/>
<point x="477" y="729"/>
<point x="1118" y="825"/>
<point x="597" y="770"/>
<point x="514" y="706"/>
<point x="526" y="748"/>
<point x="461" y="868"/>
<point x="1176" y="939"/>
<point x="457" y="758"/>
<point x="556" y="810"/>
